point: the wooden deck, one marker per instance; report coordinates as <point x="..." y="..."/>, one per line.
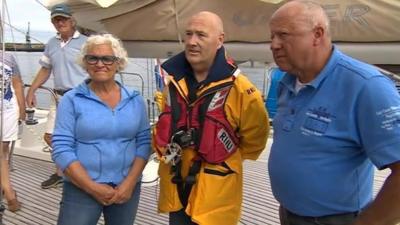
<point x="40" y="207"/>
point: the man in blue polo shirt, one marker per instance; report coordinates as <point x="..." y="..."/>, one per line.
<point x="336" y="118"/>
<point x="59" y="58"/>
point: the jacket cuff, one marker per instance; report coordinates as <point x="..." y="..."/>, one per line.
<point x="143" y="152"/>
<point x="64" y="162"/>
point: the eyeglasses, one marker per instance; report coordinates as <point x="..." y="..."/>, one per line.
<point x="106" y="59"/>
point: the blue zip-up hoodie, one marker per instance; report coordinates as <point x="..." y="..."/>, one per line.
<point x="104" y="140"/>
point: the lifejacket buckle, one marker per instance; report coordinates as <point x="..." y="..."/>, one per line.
<point x="190" y="179"/>
<point x="176" y="179"/>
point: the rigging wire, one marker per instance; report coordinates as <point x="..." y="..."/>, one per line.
<point x="22" y="32"/>
<point x="2" y="77"/>
<point x="2" y="96"/>
<point x="12" y="33"/>
<point x="40" y="3"/>
<point x="16" y="29"/>
<point x="177" y="22"/>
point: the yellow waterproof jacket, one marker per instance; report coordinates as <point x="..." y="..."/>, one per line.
<point x="214" y="199"/>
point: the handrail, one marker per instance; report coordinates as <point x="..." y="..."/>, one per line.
<point x="150" y="104"/>
<point x="132" y="74"/>
<point x="391" y="75"/>
<point x="53" y="94"/>
<point x="51" y="90"/>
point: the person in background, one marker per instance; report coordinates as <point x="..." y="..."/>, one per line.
<point x="337" y="117"/>
<point x="101" y="140"/>
<point x="59" y="58"/>
<point x="274" y="76"/>
<point x="212" y="119"/>
<point x="13" y="113"/>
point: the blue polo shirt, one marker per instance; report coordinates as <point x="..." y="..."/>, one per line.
<point x="61" y="59"/>
<point x="327" y="135"/>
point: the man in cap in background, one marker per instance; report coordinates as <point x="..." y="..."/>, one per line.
<point x="59" y="58"/>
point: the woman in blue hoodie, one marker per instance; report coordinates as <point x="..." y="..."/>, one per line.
<point x="101" y="140"/>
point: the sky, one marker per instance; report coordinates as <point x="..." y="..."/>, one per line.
<point x="23" y="11"/>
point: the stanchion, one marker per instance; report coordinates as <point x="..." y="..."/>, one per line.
<point x="2" y="209"/>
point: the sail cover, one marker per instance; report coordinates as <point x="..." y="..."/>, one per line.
<point x="356" y="25"/>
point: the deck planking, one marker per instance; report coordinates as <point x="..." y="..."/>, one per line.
<point x="40" y="206"/>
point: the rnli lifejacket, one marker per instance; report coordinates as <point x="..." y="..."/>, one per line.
<point x="203" y="122"/>
<point x="201" y="125"/>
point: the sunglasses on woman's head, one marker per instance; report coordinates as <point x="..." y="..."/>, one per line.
<point x="105" y="59"/>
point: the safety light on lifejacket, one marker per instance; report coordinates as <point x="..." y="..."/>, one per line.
<point x="183" y="138"/>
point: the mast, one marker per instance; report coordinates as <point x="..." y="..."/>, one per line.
<point x="28" y="37"/>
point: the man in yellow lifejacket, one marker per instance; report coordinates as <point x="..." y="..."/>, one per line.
<point x="212" y="119"/>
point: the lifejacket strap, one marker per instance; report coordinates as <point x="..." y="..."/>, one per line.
<point x="219" y="173"/>
<point x="175" y="108"/>
<point x="184" y="187"/>
<point x="190" y="181"/>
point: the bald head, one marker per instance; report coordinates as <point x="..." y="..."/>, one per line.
<point x="204" y="36"/>
<point x="300" y="40"/>
<point x="303" y="14"/>
<point x="211" y="18"/>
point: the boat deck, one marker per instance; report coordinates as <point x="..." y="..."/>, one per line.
<point x="41" y="206"/>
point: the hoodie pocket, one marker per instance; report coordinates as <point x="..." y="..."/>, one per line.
<point x="89" y="155"/>
<point x="129" y="156"/>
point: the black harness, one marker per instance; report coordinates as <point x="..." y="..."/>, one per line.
<point x="184" y="186"/>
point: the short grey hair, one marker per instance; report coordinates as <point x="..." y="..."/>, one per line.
<point x="315" y="15"/>
<point x="99" y="39"/>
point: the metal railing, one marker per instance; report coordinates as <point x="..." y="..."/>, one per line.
<point x="54" y="96"/>
<point x="122" y="75"/>
<point x="152" y="112"/>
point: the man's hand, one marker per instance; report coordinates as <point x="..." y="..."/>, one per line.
<point x="22" y="114"/>
<point x="30" y="99"/>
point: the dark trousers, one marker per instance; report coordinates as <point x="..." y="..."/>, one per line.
<point x="288" y="218"/>
<point x="180" y="218"/>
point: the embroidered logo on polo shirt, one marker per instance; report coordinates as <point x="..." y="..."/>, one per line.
<point x="390" y="117"/>
<point x="317" y="121"/>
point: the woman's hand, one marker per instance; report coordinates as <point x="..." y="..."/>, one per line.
<point x="103" y="193"/>
<point x="125" y="189"/>
<point x="123" y="193"/>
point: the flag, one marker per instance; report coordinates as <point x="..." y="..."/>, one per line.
<point x="159" y="75"/>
